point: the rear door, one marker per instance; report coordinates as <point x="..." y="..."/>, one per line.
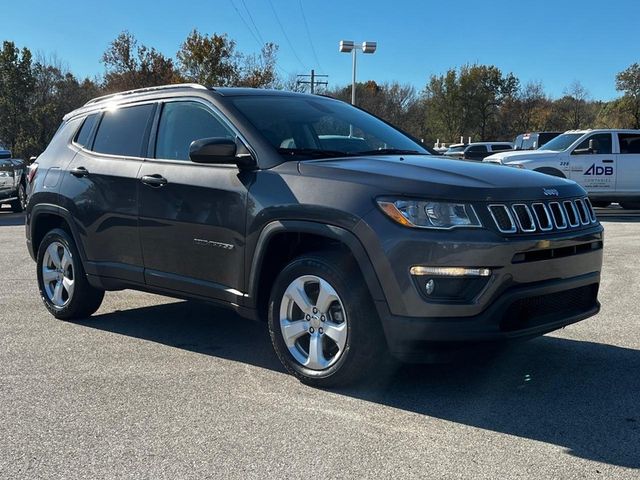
<point x="592" y="164"/>
<point x="101" y="184"/>
<point x="193" y="216"/>
<point x="628" y="163"/>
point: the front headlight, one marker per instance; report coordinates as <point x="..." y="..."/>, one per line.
<point x="429" y="214"/>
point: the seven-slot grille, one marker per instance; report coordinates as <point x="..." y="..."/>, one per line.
<point x="542" y="216"/>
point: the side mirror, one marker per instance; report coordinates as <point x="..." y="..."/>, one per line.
<point x="5" y="154"/>
<point x="593" y="146"/>
<point x="221" y="150"/>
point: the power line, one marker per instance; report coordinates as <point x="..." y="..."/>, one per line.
<point x="252" y="22"/>
<point x="306" y="26"/>
<point x="246" y="24"/>
<point x="285" y="35"/>
<point x="258" y="40"/>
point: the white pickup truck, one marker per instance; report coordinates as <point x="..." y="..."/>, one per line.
<point x="605" y="162"/>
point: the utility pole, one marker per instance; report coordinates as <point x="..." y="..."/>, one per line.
<point x="313" y="80"/>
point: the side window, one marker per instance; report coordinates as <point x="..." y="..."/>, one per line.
<point x="122" y="131"/>
<point x="183" y="122"/>
<point x="82" y="138"/>
<point x="498" y="148"/>
<point x="629" y="143"/>
<point x="477" y="149"/>
<point x="598" y="144"/>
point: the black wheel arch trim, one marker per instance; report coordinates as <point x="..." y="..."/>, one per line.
<point x="51" y="209"/>
<point x="310" y="227"/>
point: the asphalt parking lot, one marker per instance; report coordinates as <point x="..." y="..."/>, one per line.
<point x="152" y="387"/>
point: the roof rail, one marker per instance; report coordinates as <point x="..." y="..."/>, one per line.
<point x="143" y="90"/>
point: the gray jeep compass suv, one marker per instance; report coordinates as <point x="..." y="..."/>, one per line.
<point x="335" y="227"/>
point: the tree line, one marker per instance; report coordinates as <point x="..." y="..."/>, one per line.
<point x="477" y="101"/>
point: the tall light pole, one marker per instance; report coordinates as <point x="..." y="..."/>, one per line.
<point x="348" y="46"/>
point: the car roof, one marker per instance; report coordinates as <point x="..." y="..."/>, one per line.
<point x="490" y="143"/>
<point x="177" y="90"/>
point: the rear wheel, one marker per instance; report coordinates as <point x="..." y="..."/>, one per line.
<point x="630" y="205"/>
<point x="19" y="204"/>
<point x="322" y="322"/>
<point x="64" y="288"/>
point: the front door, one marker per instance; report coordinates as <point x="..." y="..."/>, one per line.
<point x="592" y="164"/>
<point x="192" y="218"/>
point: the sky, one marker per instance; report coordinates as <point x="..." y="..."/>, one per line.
<point x="554" y="42"/>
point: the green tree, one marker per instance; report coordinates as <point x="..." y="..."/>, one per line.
<point x="213" y="60"/>
<point x="16" y="89"/>
<point x="129" y="65"/>
<point x="628" y="82"/>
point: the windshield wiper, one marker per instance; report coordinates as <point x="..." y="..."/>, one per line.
<point x="313" y="152"/>
<point x="391" y="151"/>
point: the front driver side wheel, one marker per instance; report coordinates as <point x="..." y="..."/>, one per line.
<point x="322" y="322"/>
<point x="64" y="288"/>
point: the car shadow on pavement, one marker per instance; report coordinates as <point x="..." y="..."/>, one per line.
<point x="582" y="396"/>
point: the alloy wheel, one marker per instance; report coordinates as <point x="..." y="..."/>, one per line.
<point x="313" y="322"/>
<point x="58" y="275"/>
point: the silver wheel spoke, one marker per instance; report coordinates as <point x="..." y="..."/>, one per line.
<point x="316" y="358"/>
<point x="68" y="285"/>
<point x="49" y="274"/>
<point x="296" y="293"/>
<point x="291" y="331"/>
<point x="66" y="259"/>
<point x="57" y="294"/>
<point x="336" y="332"/>
<point x="326" y="296"/>
<point x="52" y="250"/>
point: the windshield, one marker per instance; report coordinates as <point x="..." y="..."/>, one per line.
<point x="303" y="126"/>
<point x="561" y="142"/>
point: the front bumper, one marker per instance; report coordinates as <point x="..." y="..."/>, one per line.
<point x="539" y="283"/>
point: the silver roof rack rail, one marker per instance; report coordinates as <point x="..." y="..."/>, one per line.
<point x="143" y="90"/>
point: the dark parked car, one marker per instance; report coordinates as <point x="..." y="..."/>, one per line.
<point x="231" y="195"/>
<point x="534" y="140"/>
<point x="13" y="181"/>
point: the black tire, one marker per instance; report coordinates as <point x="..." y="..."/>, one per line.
<point x="630" y="205"/>
<point x="20" y="203"/>
<point x="551" y="171"/>
<point x="85" y="299"/>
<point x="600" y="203"/>
<point x="365" y="347"/>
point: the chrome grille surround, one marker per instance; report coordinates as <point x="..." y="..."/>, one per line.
<point x="520" y="210"/>
<point x="542" y="216"/>
<point x="493" y="209"/>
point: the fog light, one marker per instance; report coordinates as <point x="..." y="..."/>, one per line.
<point x="430" y="286"/>
<point x="450" y="271"/>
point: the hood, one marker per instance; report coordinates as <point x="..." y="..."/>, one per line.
<point x="439" y="178"/>
<point x="513" y="156"/>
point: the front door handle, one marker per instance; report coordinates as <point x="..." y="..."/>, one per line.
<point x="155" y="180"/>
<point x="607" y="161"/>
<point x="79" y="172"/>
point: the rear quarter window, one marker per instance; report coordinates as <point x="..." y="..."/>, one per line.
<point x="122" y="131"/>
<point x="84" y="134"/>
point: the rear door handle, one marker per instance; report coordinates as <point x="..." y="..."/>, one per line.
<point x="79" y="172"/>
<point x="607" y="161"/>
<point x="155" y="180"/>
